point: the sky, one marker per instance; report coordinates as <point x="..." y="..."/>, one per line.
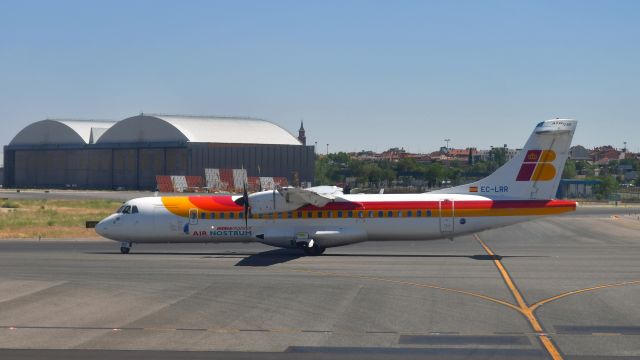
<point x="363" y="75"/>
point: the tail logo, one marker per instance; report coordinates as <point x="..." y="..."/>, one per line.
<point x="537" y="166"/>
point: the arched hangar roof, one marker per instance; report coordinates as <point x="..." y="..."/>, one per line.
<point x="61" y="132"/>
<point x="209" y="129"/>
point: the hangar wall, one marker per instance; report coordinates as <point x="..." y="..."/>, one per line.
<point x="136" y="166"/>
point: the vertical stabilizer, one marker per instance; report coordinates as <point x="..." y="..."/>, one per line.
<point x="535" y="171"/>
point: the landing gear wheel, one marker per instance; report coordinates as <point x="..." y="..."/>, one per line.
<point x="125" y="247"/>
<point x="315" y="250"/>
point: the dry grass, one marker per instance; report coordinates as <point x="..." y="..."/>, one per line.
<point x="52" y="218"/>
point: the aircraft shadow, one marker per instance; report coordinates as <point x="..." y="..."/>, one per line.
<point x="271" y="257"/>
<point x="279" y="256"/>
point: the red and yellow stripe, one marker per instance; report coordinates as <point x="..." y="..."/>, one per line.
<point x="223" y="207"/>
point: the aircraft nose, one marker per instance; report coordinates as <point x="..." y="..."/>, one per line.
<point x="102" y="228"/>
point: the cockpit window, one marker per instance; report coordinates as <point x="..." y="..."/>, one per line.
<point x="127" y="210"/>
<point x="134" y="209"/>
<point x="120" y="210"/>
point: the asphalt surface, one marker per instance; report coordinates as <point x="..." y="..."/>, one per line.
<point x="577" y="277"/>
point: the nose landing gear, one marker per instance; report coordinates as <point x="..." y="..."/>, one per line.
<point x="125" y="247"/>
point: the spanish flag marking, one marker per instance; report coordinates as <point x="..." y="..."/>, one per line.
<point x="473" y="189"/>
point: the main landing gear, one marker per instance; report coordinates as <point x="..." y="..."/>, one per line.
<point x="311" y="248"/>
<point x="125" y="247"/>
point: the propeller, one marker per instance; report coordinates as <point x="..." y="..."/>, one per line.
<point x="245" y="203"/>
<point x="274" y="199"/>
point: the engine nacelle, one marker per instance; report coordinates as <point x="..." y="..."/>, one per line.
<point x="338" y="237"/>
<point x="284" y="238"/>
<point x="287" y="238"/>
<point x="271" y="201"/>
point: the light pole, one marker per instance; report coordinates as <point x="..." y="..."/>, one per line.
<point x="447" y="142"/>
<point x="315" y="147"/>
<point x="327" y="149"/>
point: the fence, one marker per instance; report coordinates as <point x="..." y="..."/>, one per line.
<point x="219" y="180"/>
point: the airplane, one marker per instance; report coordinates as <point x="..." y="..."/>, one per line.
<point x="317" y="218"/>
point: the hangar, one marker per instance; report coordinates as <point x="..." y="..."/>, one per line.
<point x="130" y="153"/>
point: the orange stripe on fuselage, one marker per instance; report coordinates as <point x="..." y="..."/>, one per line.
<point x="180" y="205"/>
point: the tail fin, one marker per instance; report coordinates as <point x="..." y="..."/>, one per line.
<point x="535" y="171"/>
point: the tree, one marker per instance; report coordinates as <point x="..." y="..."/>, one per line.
<point x="569" y="171"/>
<point x="607" y="187"/>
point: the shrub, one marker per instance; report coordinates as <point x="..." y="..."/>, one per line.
<point x="10" y="205"/>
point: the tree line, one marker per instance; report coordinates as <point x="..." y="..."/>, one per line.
<point x="341" y="168"/>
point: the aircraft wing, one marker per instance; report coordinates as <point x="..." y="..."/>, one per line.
<point x="318" y="196"/>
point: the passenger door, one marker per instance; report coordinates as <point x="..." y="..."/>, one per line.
<point x="447" y="216"/>
<point x="193" y="216"/>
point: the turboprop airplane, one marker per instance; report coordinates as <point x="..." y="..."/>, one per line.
<point x="317" y="218"/>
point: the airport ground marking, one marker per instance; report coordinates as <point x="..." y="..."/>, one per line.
<point x="410" y="283"/>
<point x="525" y="309"/>
<point x="535" y="306"/>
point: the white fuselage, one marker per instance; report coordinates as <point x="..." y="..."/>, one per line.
<point x="354" y="219"/>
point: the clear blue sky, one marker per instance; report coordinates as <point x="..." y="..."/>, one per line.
<point x="362" y="74"/>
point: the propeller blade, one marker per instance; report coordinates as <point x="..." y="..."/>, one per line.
<point x="274" y="200"/>
<point x="245" y="202"/>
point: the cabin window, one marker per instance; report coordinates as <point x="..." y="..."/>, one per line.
<point x="221" y="215"/>
<point x="380" y="213"/>
<point x="279" y="215"/>
<point x="409" y="213"/>
<point x="289" y="215"/>
<point x="299" y="214"/>
<point x="360" y="214"/>
<point x="399" y="213"/>
<point x="389" y="213"/>
<point x="240" y="216"/>
<point x="203" y="215"/>
<point x="232" y="215"/>
<point x="339" y="214"/>
<point x="429" y="213"/>
<point x="329" y="214"/>
<point x="309" y="214"/>
<point x="419" y="213"/>
<point x="319" y="214"/>
<point x="370" y="214"/>
<point x="193" y="214"/>
<point x="349" y="214"/>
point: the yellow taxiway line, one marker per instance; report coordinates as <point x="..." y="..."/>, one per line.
<point x="526" y="310"/>
<point x="560" y="296"/>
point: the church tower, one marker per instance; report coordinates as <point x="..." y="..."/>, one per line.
<point x="301" y="136"/>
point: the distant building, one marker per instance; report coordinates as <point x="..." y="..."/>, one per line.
<point x="463" y="154"/>
<point x="603" y="154"/>
<point x="485" y="155"/>
<point x="301" y="134"/>
<point x="576" y="188"/>
<point x="627" y="172"/>
<point x="579" y="152"/>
